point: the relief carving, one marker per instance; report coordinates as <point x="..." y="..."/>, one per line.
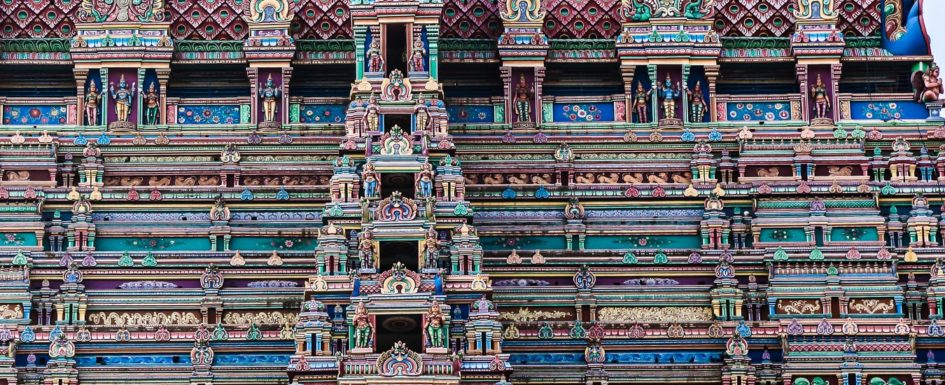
<point x="654" y="314"/>
<point x="799" y="306"/>
<point x="143" y="319"/>
<point x="872" y="306"/>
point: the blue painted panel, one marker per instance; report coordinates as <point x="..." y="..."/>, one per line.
<point x="322" y="113"/>
<point x="546" y="358"/>
<point x="209" y="114"/>
<point x="523" y="243"/>
<point x="34" y="115"/>
<point x="853" y="234"/>
<point x="783" y="235"/>
<point x="758" y="111"/>
<point x="133" y="360"/>
<point x="273" y="243"/>
<point x="152" y="244"/>
<point x="621" y="358"/>
<point x="239" y="359"/>
<point x="472" y="114"/>
<point x="642" y="242"/>
<point x="887" y="110"/>
<point x="17" y="239"/>
<point x="583" y="112"/>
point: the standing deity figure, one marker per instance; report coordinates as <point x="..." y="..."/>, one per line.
<point x="523" y="95"/>
<point x="697" y="106"/>
<point x="152" y="105"/>
<point x="123" y="97"/>
<point x="371" y="115"/>
<point x="431" y="250"/>
<point x="928" y="85"/>
<point x="435" y="321"/>
<point x="669" y="94"/>
<point x="362" y="327"/>
<point x="372" y="184"/>
<point x="422" y="115"/>
<point x="821" y="100"/>
<point x="425" y="181"/>
<point x="270" y="95"/>
<point x="418" y="61"/>
<point x="375" y="63"/>
<point x="366" y="249"/>
<point x="92" y="98"/>
<point x="640" y="99"/>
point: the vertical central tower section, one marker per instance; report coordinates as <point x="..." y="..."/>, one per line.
<point x="399" y="293"/>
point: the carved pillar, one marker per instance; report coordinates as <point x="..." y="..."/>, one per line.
<point x="103" y="75"/>
<point x="627" y="73"/>
<point x="654" y="96"/>
<point x="81" y="75"/>
<point x="539" y="106"/>
<point x="253" y="74"/>
<point x="835" y="70"/>
<point x="711" y="76"/>
<point x="360" y="47"/>
<point x="805" y="91"/>
<point x="139" y="98"/>
<point x="284" y="101"/>
<point x="506" y="73"/>
<point x="433" y="50"/>
<point x="163" y="76"/>
<point x="683" y="95"/>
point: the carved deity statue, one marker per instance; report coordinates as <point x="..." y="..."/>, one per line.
<point x="669" y="94"/>
<point x="928" y="85"/>
<point x="123" y="97"/>
<point x="92" y="99"/>
<point x="422" y="115"/>
<point x="431" y="250"/>
<point x="373" y="58"/>
<point x="697" y="105"/>
<point x="372" y="184"/>
<point x="371" y="114"/>
<point x="152" y="105"/>
<point x="270" y="95"/>
<point x="818" y="93"/>
<point x="425" y="181"/>
<point x="523" y="96"/>
<point x="362" y="327"/>
<point x="418" y="61"/>
<point x="366" y="249"/>
<point x="436" y="338"/>
<point x="640" y="100"/>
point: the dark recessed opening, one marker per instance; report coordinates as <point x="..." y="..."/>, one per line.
<point x="393" y="328"/>
<point x="405" y="252"/>
<point x="402" y="121"/>
<point x="402" y="182"/>
<point x="396" y="49"/>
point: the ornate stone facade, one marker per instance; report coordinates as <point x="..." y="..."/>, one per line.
<point x="447" y="192"/>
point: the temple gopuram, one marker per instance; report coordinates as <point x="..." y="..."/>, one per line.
<point x="470" y="192"/>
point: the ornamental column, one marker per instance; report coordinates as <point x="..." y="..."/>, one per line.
<point x="711" y="76"/>
<point x="163" y="75"/>
<point x="80" y="79"/>
<point x="523" y="48"/>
